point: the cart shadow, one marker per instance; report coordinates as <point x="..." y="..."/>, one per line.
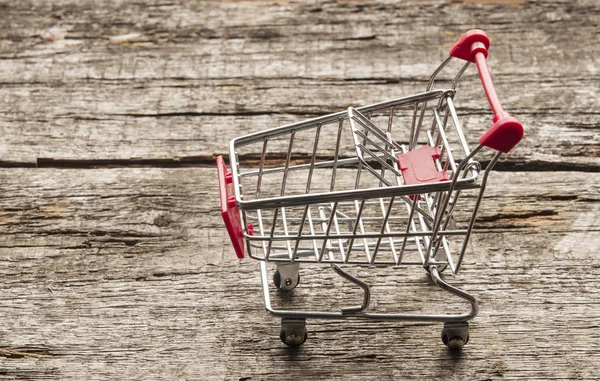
<point x="374" y="365"/>
<point x="366" y="349"/>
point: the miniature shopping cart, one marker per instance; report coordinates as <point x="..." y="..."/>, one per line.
<point x="390" y="184"/>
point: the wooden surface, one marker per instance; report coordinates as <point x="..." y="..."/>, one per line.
<point x="113" y="260"/>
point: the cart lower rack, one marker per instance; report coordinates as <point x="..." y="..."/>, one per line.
<point x="402" y="188"/>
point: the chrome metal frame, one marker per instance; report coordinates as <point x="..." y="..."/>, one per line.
<point x="357" y="312"/>
<point x="387" y="223"/>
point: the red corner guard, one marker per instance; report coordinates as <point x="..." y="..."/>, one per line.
<point x="465" y="49"/>
<point x="418" y="166"/>
<point x="503" y="135"/>
<point x="506" y="131"/>
<point x="229" y="209"/>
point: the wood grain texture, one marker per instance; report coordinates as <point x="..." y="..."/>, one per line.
<point x="127" y="273"/>
<point x="199" y="71"/>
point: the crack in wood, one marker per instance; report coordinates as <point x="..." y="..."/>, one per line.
<point x="517" y="215"/>
<point x="20" y="353"/>
<point x="208" y="161"/>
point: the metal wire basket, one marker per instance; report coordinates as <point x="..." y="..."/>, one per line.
<point x="397" y="184"/>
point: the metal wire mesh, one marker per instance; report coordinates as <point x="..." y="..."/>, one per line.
<point x="330" y="189"/>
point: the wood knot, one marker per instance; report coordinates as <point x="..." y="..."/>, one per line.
<point x="162" y="221"/>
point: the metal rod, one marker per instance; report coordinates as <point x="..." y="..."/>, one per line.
<point x="327" y="227"/>
<point x="375" y="317"/>
<point x="385" y="219"/>
<point x="476" y="208"/>
<point x="409" y="224"/>
<point x="390" y="120"/>
<point x="312" y="232"/>
<point x="312" y="159"/>
<point x="444" y="201"/>
<point x="287" y="163"/>
<point x="357" y="223"/>
<point x="261" y="167"/>
<point x="249" y="139"/>
<point x="304" y="214"/>
<point x="368" y="235"/>
<point x="361" y="284"/>
<point x="337" y="154"/>
<point x="445" y="141"/>
<point x="270" y="239"/>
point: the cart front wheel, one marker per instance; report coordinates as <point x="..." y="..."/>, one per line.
<point x="288" y="283"/>
<point x="455" y="335"/>
<point x="293" y="332"/>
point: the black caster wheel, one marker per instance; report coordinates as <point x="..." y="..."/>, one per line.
<point x="293" y="339"/>
<point x="293" y="332"/>
<point x="455" y="335"/>
<point x="288" y="283"/>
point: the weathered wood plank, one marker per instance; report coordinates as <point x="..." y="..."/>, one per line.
<point x="211" y="70"/>
<point x="127" y="273"/>
<point x="198" y="132"/>
<point x="252" y="39"/>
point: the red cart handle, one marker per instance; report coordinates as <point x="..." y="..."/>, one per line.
<point x="229" y="209"/>
<point x="506" y="131"/>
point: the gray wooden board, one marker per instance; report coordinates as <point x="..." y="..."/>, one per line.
<point x="127" y="273"/>
<point x="200" y="74"/>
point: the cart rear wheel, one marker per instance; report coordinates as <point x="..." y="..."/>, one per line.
<point x="288" y="284"/>
<point x="455" y="335"/>
<point x="293" y="332"/>
<point x="293" y="339"/>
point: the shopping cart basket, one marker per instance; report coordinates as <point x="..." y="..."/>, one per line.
<point x="396" y="184"/>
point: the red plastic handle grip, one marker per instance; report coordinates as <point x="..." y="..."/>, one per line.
<point x="229" y="209"/>
<point x="506" y="131"/>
